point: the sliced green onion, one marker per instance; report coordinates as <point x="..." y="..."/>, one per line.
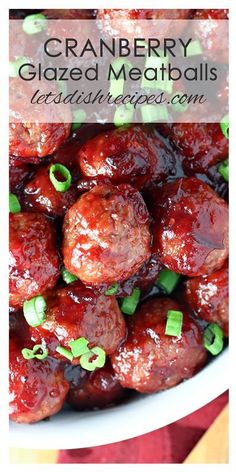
<point x="88" y="362"/>
<point x="224" y="170"/>
<point x="116" y="87"/>
<point x="174" y="323"/>
<point x="165" y="85"/>
<point x="64" y="352"/>
<point x="167" y="280"/>
<point x="194" y="49"/>
<point x="79" y="117"/>
<point x="67" y="276"/>
<point x="123" y="115"/>
<point x="62" y="170"/>
<point x="14" y="204"/>
<point x="14" y="66"/>
<point x="32" y="353"/>
<point x="119" y="62"/>
<point x="34" y="24"/>
<point x="213" y="339"/>
<point x="224" y="125"/>
<point x="154" y="113"/>
<point x="62" y="87"/>
<point x="155" y="61"/>
<point x="129" y="304"/>
<point x="113" y="289"/>
<point x="179" y="107"/>
<point x="79" y="347"/>
<point x="35" y="311"/>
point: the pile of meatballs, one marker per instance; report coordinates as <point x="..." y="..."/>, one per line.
<point x="142" y="199"/>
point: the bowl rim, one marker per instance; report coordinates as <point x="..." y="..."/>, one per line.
<point x="73" y="430"/>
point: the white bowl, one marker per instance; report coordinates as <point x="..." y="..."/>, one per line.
<point x="142" y="414"/>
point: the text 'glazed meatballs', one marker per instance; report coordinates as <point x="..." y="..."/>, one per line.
<point x="191" y="227"/>
<point x="92" y="390"/>
<point x="208" y="297"/>
<point x="34" y="261"/>
<point x="133" y="155"/>
<point x="76" y="311"/>
<point x="37" y="388"/>
<point x="106" y="234"/>
<point x="150" y="361"/>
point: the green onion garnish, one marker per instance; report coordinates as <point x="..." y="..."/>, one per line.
<point x="174" y="323"/>
<point x="57" y="184"/>
<point x="213" y="339"/>
<point x="129" y="304"/>
<point x="14" y="204"/>
<point x="14" y="66"/>
<point x="113" y="289"/>
<point x="165" y="85"/>
<point x="79" y="347"/>
<point x="123" y="115"/>
<point x="78" y="119"/>
<point x="194" y="48"/>
<point x="224" y="170"/>
<point x="35" y="311"/>
<point x="154" y="113"/>
<point x="116" y="87"/>
<point x="34" y="24"/>
<point x="167" y="280"/>
<point x="119" y="62"/>
<point x="65" y="353"/>
<point x="67" y="276"/>
<point x="33" y="354"/>
<point x="224" y="125"/>
<point x="88" y="363"/>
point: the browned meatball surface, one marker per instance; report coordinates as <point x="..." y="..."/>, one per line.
<point x="106" y="234"/>
<point x="208" y="296"/>
<point x="150" y="361"/>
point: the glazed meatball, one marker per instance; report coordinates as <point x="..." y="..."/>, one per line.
<point x="149" y="360"/>
<point x="208" y="297"/>
<point x="34" y="261"/>
<point x="133" y="155"/>
<point x="191" y="227"/>
<point x="18" y="176"/>
<point x="29" y="140"/>
<point x="41" y="196"/>
<point x="76" y="311"/>
<point x="37" y="388"/>
<point x="106" y="235"/>
<point x="201" y="145"/>
<point x="117" y="22"/>
<point x="92" y="390"/>
<point x="213" y="37"/>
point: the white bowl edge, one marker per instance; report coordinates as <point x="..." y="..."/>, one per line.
<point x="72" y="430"/>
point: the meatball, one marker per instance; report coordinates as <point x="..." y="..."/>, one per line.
<point x="106" y="235"/>
<point x="133" y="155"/>
<point x="92" y="390"/>
<point x="208" y="297"/>
<point x="34" y="261"/>
<point x="117" y="22"/>
<point x="71" y="14"/>
<point x="41" y="196"/>
<point x="213" y="38"/>
<point x="191" y="227"/>
<point x="76" y="311"/>
<point x="149" y="360"/>
<point x="37" y="388"/>
<point x="201" y="145"/>
<point x="18" y="175"/>
<point x="27" y="139"/>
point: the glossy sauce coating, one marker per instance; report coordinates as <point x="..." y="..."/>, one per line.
<point x="200" y="145"/>
<point x="150" y="361"/>
<point x="208" y="296"/>
<point x="92" y="390"/>
<point x="34" y="260"/>
<point x="191" y="227"/>
<point x="134" y="155"/>
<point x="76" y="311"/>
<point x="106" y="235"/>
<point x="37" y="388"/>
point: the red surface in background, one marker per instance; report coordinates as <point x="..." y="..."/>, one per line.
<point x="170" y="444"/>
